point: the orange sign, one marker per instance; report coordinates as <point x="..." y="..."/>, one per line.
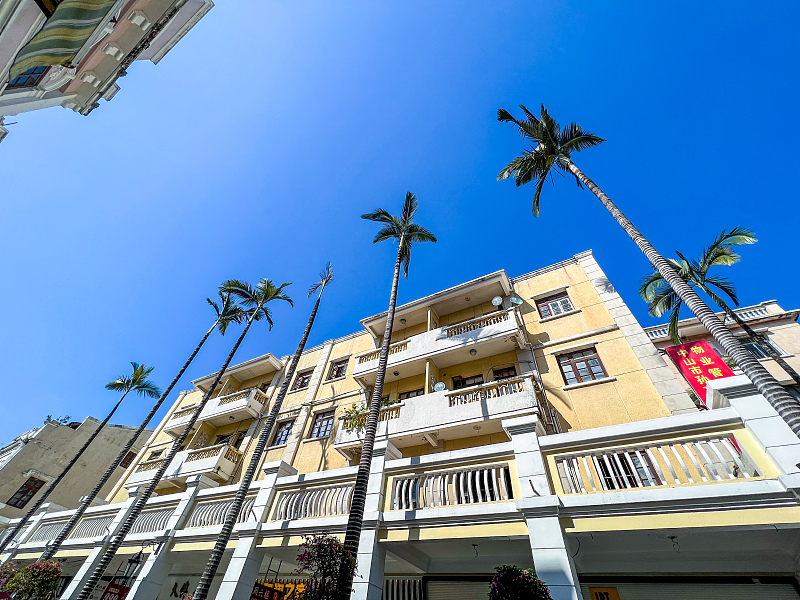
<point x="604" y="593"/>
<point x="699" y="364"/>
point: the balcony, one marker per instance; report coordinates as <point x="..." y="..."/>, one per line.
<point x="449" y="414"/>
<point x="490" y="334"/>
<point x="217" y="462"/>
<point x="238" y="406"/>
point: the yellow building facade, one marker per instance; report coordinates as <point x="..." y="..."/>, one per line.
<point x="526" y="420"/>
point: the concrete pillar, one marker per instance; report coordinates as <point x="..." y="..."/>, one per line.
<point x="551" y="558"/>
<point x="245" y="564"/>
<point x="154" y="572"/>
<point x="368" y="582"/>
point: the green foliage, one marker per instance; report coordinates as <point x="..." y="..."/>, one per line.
<point x="228" y="311"/>
<point x="514" y="583"/>
<point x="37" y="581"/>
<point x="256" y="298"/>
<point x="402" y="228"/>
<point x="551" y="146"/>
<point x="7" y="571"/>
<point x="324" y="558"/>
<point x="137" y="382"/>
<point x="661" y="298"/>
<point x="62" y="420"/>
<point x="355" y="415"/>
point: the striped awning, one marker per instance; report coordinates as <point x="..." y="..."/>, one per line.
<point x="63" y="35"/>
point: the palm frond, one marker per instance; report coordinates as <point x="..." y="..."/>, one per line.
<point x="241" y="289"/>
<point x="674" y="317"/>
<point x="418" y="233"/>
<point x="664" y="299"/>
<point x="409" y="209"/>
<point x="649" y="285"/>
<point x="380" y="215"/>
<point x="148" y="389"/>
<point x="720" y="251"/>
<point x="214" y="305"/>
<point x="722" y="284"/>
<point x="118" y="385"/>
<point x="387" y="233"/>
<point x="325" y="277"/>
<point x="573" y="138"/>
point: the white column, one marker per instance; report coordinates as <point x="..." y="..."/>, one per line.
<point x="368" y="582"/>
<point x="154" y="572"/>
<point x="245" y="564"/>
<point x="539" y="505"/>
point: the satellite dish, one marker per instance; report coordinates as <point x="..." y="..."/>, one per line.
<point x="515" y="300"/>
<point x="497" y="300"/>
<point x="439" y="387"/>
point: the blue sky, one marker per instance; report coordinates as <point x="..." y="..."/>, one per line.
<point x="252" y="149"/>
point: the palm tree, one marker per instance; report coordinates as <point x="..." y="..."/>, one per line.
<point x="406" y="232"/>
<point x="136" y="383"/>
<point x="227" y="311"/>
<point x="257" y="299"/>
<point x="661" y="298"/>
<point x="552" y="146"/>
<point x="325" y="277"/>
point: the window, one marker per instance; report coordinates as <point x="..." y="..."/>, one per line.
<point x="616" y="470"/>
<point x="581" y="366"/>
<point x="25" y="493"/>
<point x="302" y="380"/>
<point x="757" y="349"/>
<point x="323" y="423"/>
<point x="126" y="462"/>
<point x="29" y="78"/>
<point x="463" y="382"/>
<point x="338" y="369"/>
<point x="505" y="373"/>
<point x="154" y="455"/>
<point x="555" y="305"/>
<point x="234" y="439"/>
<point x="282" y="433"/>
<point x="411" y="394"/>
<point x="48" y="7"/>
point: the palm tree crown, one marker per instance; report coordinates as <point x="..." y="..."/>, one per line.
<point x="256" y="298"/>
<point x="136" y="382"/>
<point x="551" y="146"/>
<point x="228" y="311"/>
<point x="401" y="228"/>
<point x="661" y="298"/>
<point x="325" y="277"/>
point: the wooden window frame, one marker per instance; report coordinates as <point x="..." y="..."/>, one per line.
<point x="300" y="377"/>
<point x="128" y="460"/>
<point x="581" y="356"/>
<point x="320" y="430"/>
<point x="501" y="377"/>
<point x="28" y="79"/>
<point x="333" y="371"/>
<point x="26" y="492"/>
<point x="282" y="433"/>
<point x="545" y="305"/>
<point x="459" y="382"/>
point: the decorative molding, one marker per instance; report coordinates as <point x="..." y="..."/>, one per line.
<point x="574" y="311"/>
<point x="577" y="336"/>
<point x="582" y="384"/>
<point x="56" y="77"/>
<point x="91" y="78"/>
<point x="114" y="51"/>
<point x="139" y="19"/>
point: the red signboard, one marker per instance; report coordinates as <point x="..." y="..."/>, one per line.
<point x="262" y="592"/>
<point x="114" y="591"/>
<point x="699" y="364"/>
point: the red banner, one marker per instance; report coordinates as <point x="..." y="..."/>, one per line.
<point x="699" y="364"/>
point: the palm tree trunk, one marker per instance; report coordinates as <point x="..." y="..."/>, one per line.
<point x="33" y="510"/>
<point x="141" y="500"/>
<point x="353" y="532"/>
<point x="235" y="508"/>
<point x="53" y="546"/>
<point x="778" y="397"/>
<point x="755" y="338"/>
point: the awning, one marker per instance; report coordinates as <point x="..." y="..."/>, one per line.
<point x="63" y="35"/>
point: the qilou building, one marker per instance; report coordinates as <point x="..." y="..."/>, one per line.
<point x="529" y="421"/>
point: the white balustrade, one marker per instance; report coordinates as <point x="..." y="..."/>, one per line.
<point x="491" y="483"/>
<point x="213" y="512"/>
<point x="311" y="503"/>
<point x="493" y="389"/>
<point x="476" y="323"/>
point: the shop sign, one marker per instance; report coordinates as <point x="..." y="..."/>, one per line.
<point x="115" y="591"/>
<point x="699" y="364"/>
<point x="262" y="592"/>
<point x="277" y="590"/>
<point x="604" y="593"/>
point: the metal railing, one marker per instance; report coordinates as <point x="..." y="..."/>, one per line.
<point x="153" y="519"/>
<point x="477" y="323"/>
<point x="493" y="389"/>
<point x="91" y="527"/>
<point x="311" y="503"/>
<point x="490" y="483"/>
<point x="47" y="531"/>
<point x="373" y="354"/>
<point x="707" y="459"/>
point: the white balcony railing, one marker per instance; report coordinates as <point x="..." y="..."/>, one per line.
<point x="504" y="328"/>
<point x="244" y="404"/>
<point x="217" y="462"/>
<point x="703" y="459"/>
<point x="493" y="389"/>
<point x="491" y="483"/>
<point x="315" y="502"/>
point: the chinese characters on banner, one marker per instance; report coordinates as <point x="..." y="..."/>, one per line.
<point x="699" y="364"/>
<point x="115" y="591"/>
<point x="277" y="590"/>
